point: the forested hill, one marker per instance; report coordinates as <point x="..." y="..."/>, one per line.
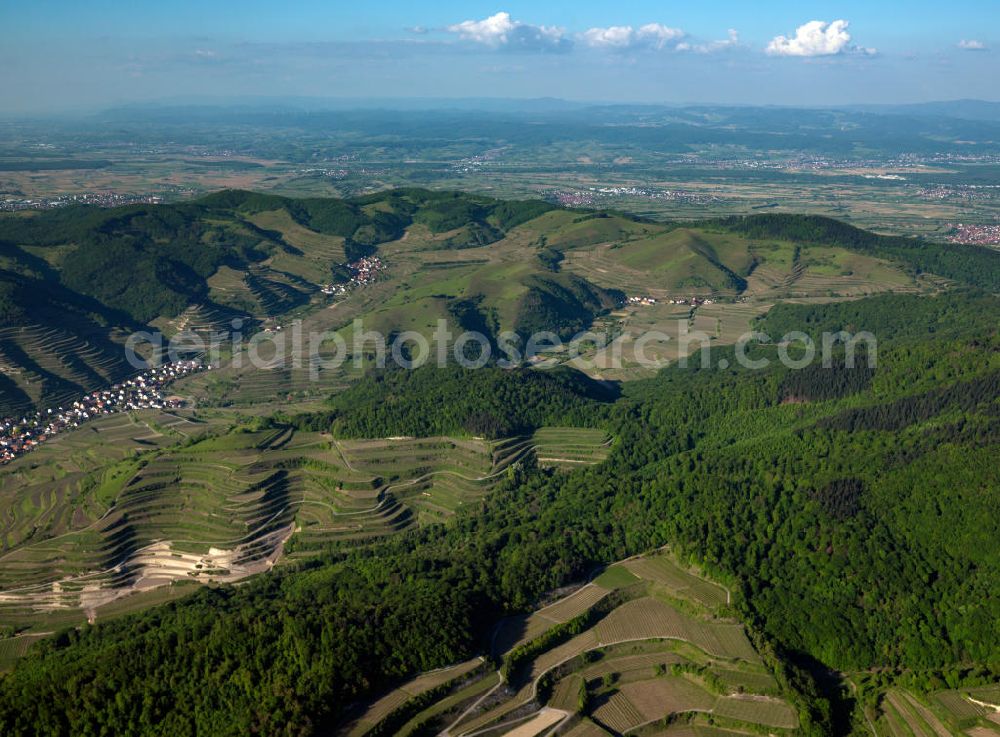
<point x="69" y="277"/>
<point x="490" y="402"/>
<point x="153" y="260"/>
<point x="147" y="261"/>
<point x="972" y="265"/>
<point x="852" y="511"/>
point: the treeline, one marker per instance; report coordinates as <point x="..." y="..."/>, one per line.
<point x="972" y="265"/>
<point x="888" y="317"/>
<point x="382" y="216"/>
<point x="147" y="261"/>
<point x="488" y="402"/>
<point x="838" y="554"/>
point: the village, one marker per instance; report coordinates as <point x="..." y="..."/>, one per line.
<point x="975" y="235"/>
<point x="143" y="391"/>
<point x="100" y="199"/>
<point x="649" y="301"/>
<point x="364" y="271"/>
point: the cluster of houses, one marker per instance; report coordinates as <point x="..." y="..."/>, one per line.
<point x="363" y="271"/>
<point x="592" y="195"/>
<point x="101" y="199"/>
<point x="143" y="391"/>
<point x="693" y="301"/>
<point x="975" y="235"/>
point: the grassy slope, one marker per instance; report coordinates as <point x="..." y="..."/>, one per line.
<point x="238" y="253"/>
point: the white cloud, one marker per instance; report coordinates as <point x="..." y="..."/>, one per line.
<point x="651" y="35"/>
<point x="617" y="37"/>
<point x="501" y="31"/>
<point x="659" y="35"/>
<point x="709" y="47"/>
<point x="816" y="38"/>
<point x="492" y="31"/>
<point x="972" y="45"/>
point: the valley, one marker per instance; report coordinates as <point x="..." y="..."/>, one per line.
<point x="510" y="490"/>
<point x="524" y="370"/>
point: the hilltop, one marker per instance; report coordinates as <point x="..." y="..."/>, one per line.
<point x="75" y="281"/>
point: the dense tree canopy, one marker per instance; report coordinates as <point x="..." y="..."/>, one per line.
<point x="859" y="543"/>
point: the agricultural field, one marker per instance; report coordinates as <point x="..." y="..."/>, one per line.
<point x="135" y="504"/>
<point x="703" y="264"/>
<point x="725" y="282"/>
<point x="657" y="640"/>
<point x="391" y="702"/>
<point x="70" y="481"/>
<point x="48" y="364"/>
<point x="426" y="276"/>
<point x="681" y="582"/>
<point x="570" y="447"/>
<point x="316" y="251"/>
<point x="971" y="712"/>
<point x="12" y="648"/>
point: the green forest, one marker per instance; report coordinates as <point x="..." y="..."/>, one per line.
<point x="146" y="261"/>
<point x="852" y="509"/>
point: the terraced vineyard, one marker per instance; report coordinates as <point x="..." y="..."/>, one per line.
<point x="12" y="648"/>
<point x="970" y="712"/>
<point x="69" y="481"/>
<point x="44" y="366"/>
<point x="311" y="252"/>
<point x="131" y="503"/>
<point x="387" y="705"/>
<point x="569" y="447"/>
<point x="639" y="658"/>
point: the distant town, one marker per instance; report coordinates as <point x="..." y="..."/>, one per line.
<point x="975" y="235"/>
<point x="593" y="195"/>
<point x="100" y="199"/>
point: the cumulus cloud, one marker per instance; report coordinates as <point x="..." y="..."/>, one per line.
<point x="971" y="45"/>
<point x="710" y="47"/>
<point x="501" y="31"/>
<point x="816" y="38"/>
<point x="651" y="35"/>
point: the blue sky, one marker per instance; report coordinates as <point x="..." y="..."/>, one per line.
<point x="73" y="55"/>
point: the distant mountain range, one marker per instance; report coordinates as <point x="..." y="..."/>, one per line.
<point x="969" y="109"/>
<point x="961" y="109"/>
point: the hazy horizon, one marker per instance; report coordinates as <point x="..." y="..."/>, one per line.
<point x="419" y="103"/>
<point x="61" y="56"/>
